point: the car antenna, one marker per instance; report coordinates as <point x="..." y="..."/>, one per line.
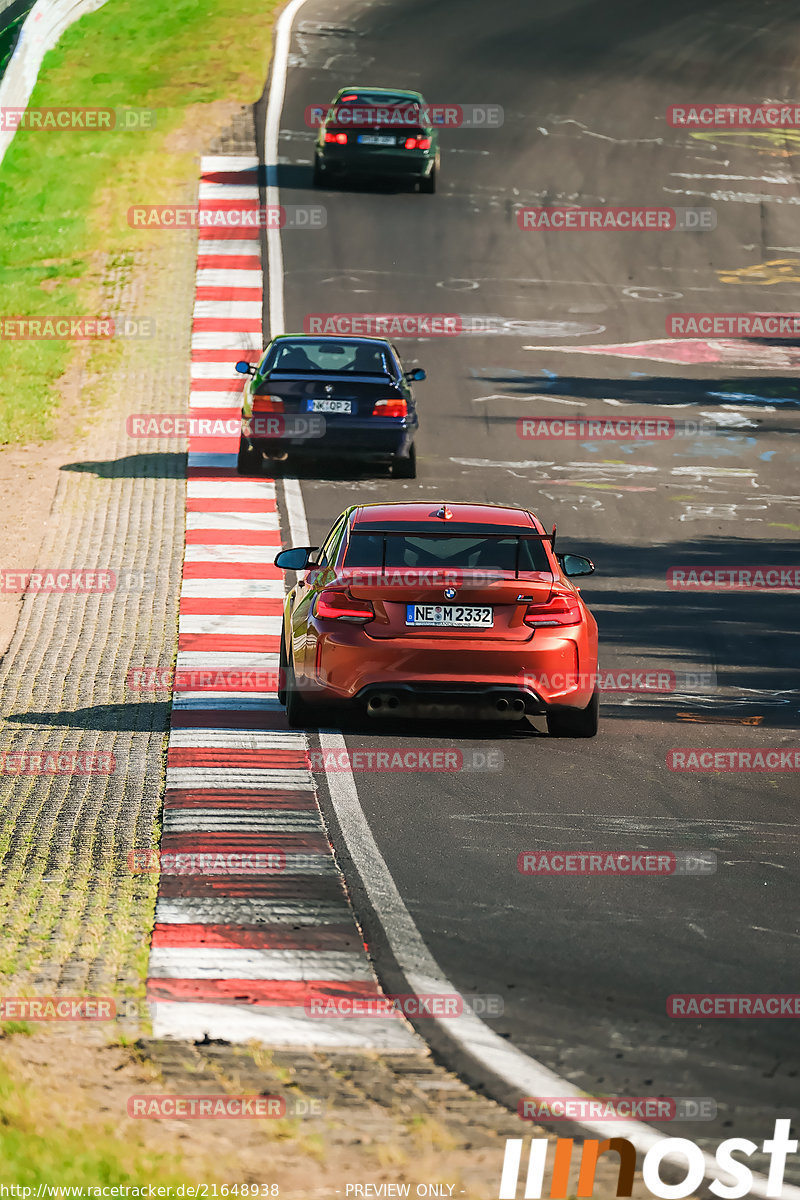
<point x="444" y="512"/>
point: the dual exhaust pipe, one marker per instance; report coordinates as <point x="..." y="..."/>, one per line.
<point x="383" y="702"/>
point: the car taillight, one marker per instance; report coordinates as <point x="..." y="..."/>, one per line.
<point x="334" y="605"/>
<point x="340" y="139"/>
<point x="562" y="610"/>
<point x="396" y="407"/>
<point x="267" y="404"/>
<point x="418" y="143"/>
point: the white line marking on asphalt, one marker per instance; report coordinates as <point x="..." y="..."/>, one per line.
<point x="226" y="624"/>
<point x="228" y="277"/>
<point x="230" y="778"/>
<point x="226" y="660"/>
<point x="222" y="339"/>
<point x="230" y="489"/>
<point x="228" y="164"/>
<point x="233" y="247"/>
<point x="216" y="820"/>
<point x="230" y="308"/>
<point x="238" y="739"/>
<point x="274" y="1025"/>
<point x="232" y="520"/>
<point x="204" y="700"/>
<point x="231" y="589"/>
<point x="237" y="910"/>
<point x="218" y="962"/>
<point x="216" y="553"/>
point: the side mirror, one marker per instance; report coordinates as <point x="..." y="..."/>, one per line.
<point x="417" y="375"/>
<point x="575" y="564"/>
<point x="295" y="559"/>
<point x="245" y="368"/>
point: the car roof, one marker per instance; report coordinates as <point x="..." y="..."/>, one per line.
<point x="313" y="337"/>
<point x="424" y="511"/>
<point x="379" y="91"/>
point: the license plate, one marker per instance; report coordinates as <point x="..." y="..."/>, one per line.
<point x="330" y="406"/>
<point x="449" y="616"/>
<point x="374" y="139"/>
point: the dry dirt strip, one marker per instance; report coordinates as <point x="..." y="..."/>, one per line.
<point x="253" y="924"/>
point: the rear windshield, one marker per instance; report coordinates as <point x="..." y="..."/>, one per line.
<point x="327" y="356"/>
<point x="424" y="551"/>
<point x="379" y="99"/>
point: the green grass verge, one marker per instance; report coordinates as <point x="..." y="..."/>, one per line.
<point x="64" y="195"/>
<point x="38" y="1146"/>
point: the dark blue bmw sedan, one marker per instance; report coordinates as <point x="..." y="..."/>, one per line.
<point x="347" y="398"/>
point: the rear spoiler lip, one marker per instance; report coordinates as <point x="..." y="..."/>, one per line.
<point x="436" y="530"/>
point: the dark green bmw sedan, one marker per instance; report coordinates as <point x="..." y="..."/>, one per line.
<point x="371" y="133"/>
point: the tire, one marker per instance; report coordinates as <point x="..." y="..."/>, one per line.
<point x="318" y="175"/>
<point x="282" y="668"/>
<point x="298" y="713"/>
<point x="249" y="460"/>
<point x="575" y="722"/>
<point x="427" y="183"/>
<point x="405" y="468"/>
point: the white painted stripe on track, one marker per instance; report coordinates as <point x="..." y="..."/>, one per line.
<point x="278" y="1026"/>
<point x="228" y="778"/>
<point x="232" y="520"/>
<point x="231" y="589"/>
<point x="216" y="820"/>
<point x="231" y="660"/>
<point x="239" y="739"/>
<point x="208" y="190"/>
<point x="221" y="339"/>
<point x="201" y="701"/>
<point x="228" y="309"/>
<point x="234" y="247"/>
<point x="230" y="489"/>
<point x="240" y="910"/>
<point x="226" y="624"/>
<point x="228" y="277"/>
<point x="201" y="400"/>
<point x="218" y="164"/>
<point x="219" y="962"/>
<point x="221" y="553"/>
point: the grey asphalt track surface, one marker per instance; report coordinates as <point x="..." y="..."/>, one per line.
<point x="585" y="965"/>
